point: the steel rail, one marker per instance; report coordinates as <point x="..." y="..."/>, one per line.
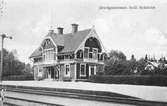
<point x="31" y="101"/>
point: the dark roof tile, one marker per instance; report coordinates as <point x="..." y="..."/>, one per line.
<point x="70" y="41"/>
<point x="36" y="53"/>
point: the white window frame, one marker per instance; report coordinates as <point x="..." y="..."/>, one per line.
<point x="80" y="54"/>
<point x="67" y="75"/>
<point x="88" y="52"/>
<point x="94" y="66"/>
<point x="40" y="71"/>
<point x="91" y="53"/>
<point x="99" y="55"/>
<point x="95" y="49"/>
<point x="49" y="54"/>
<point x="83" y="75"/>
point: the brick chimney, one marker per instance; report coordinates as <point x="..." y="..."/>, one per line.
<point x="74" y="28"/>
<point x="60" y="30"/>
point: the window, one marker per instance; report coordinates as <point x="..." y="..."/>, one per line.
<point x="86" y="52"/>
<point x="82" y="70"/>
<point x="37" y="59"/>
<point x="66" y="57"/>
<point x="39" y="72"/>
<point x="80" y="54"/>
<point x="90" y="53"/>
<point x="100" y="56"/>
<point x="92" y="70"/>
<point x="49" y="55"/>
<point x="72" y="56"/>
<point x="95" y="51"/>
<point x="67" y="70"/>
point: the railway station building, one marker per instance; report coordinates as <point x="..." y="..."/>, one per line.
<point x="73" y="56"/>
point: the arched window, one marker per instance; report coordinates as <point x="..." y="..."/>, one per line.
<point x="92" y="48"/>
<point x="49" y="50"/>
<point x="93" y="43"/>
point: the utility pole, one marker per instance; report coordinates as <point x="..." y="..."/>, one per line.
<point x="1" y="68"/>
<point x="1" y="64"/>
<point x="3" y="36"/>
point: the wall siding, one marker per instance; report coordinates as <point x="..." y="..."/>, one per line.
<point x="78" y="70"/>
<point x="87" y="70"/>
<point x="72" y="73"/>
<point x="35" y="72"/>
<point x="62" y="77"/>
<point x="61" y="72"/>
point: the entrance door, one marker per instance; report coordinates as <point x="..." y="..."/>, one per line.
<point x="49" y="73"/>
<point x="56" y="74"/>
<point x="52" y="73"/>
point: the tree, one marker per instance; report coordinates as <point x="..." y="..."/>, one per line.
<point x="133" y="58"/>
<point x="141" y="64"/>
<point x="28" y="69"/>
<point x="146" y="57"/>
<point x="12" y="66"/>
<point x="116" y="64"/>
<point x="132" y="64"/>
<point x="117" y="55"/>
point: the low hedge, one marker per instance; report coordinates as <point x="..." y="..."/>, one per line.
<point x="157" y="80"/>
<point x="19" y="77"/>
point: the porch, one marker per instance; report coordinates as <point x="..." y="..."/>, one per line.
<point x="51" y="73"/>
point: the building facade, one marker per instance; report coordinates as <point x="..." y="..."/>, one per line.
<point x="73" y="56"/>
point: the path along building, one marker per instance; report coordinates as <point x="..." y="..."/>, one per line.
<point x="73" y="56"/>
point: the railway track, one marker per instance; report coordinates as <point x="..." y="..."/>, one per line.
<point x="30" y="102"/>
<point x="82" y="94"/>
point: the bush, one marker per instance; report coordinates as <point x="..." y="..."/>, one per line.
<point x="19" y="77"/>
<point x="158" y="80"/>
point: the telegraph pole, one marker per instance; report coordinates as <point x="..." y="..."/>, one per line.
<point x="3" y="36"/>
<point x="1" y="68"/>
<point x="1" y="14"/>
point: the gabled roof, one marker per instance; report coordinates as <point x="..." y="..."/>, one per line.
<point x="58" y="39"/>
<point x="70" y="41"/>
<point x="36" y="53"/>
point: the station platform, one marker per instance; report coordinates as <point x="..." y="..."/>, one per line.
<point x="151" y="93"/>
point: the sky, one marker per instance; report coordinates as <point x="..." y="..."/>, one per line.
<point x="133" y="31"/>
